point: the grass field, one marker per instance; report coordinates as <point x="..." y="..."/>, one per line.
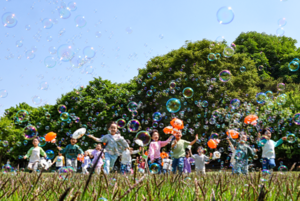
<point x="213" y="186"/>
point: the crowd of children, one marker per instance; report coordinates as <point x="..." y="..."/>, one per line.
<point x="181" y="154"/>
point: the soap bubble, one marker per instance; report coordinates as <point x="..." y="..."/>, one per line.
<point x="121" y="123"/>
<point x="61" y="109"/>
<point x="65" y="53"/>
<point x="188" y="92"/>
<point x="280" y="31"/>
<point x="47" y="23"/>
<point x="132" y="106"/>
<point x="9" y="20"/>
<point x="37" y="100"/>
<point x="157" y="116"/>
<point x="225" y="76"/>
<point x="30" y="132"/>
<point x="173" y="105"/>
<point x="291" y="138"/>
<point x="27" y="27"/>
<point x="260" y="68"/>
<point x="161" y="36"/>
<point x="282" y="168"/>
<point x="78" y="61"/>
<point x="52" y="50"/>
<point x="235" y="103"/>
<point x="50" y="154"/>
<point x="3" y="93"/>
<point x="261" y="98"/>
<point x="19" y="43"/>
<point x="80" y="21"/>
<point x="43" y="142"/>
<point x="225" y="15"/>
<point x="72" y="6"/>
<point x="129" y="30"/>
<point x="228" y="52"/>
<point x="44" y="85"/>
<point x="133" y="126"/>
<point x="89" y="69"/>
<point x="154" y="168"/>
<point x="64" y="13"/>
<point x="293" y="66"/>
<point x="29" y="54"/>
<point x="239" y="155"/>
<point x="243" y="69"/>
<point x="49" y="38"/>
<point x="281" y="99"/>
<point x="89" y="52"/>
<point x="269" y="94"/>
<point x="211" y="57"/>
<point x="282" y="22"/>
<point x="64" y="116"/>
<point x="281" y="87"/>
<point x="50" y="62"/>
<point x="144" y="136"/>
<point x="22" y="116"/>
<point x="172" y="84"/>
<point x="98" y="34"/>
<point x="297" y="119"/>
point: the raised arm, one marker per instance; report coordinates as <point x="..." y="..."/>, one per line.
<point x="102" y="139"/>
<point x="164" y="143"/>
<point x="195" y="140"/>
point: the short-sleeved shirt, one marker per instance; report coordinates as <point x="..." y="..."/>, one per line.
<point x="96" y="154"/>
<point x="71" y="151"/>
<point x="179" y="149"/>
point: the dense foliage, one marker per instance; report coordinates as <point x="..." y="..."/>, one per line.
<point x="219" y="102"/>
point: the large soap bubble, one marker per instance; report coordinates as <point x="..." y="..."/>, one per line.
<point x="143" y="136"/>
<point x="293" y="66"/>
<point x="132" y="106"/>
<point x="64" y="116"/>
<point x="225" y="76"/>
<point x="50" y="154"/>
<point x="188" y="92"/>
<point x="261" y="98"/>
<point x="154" y="168"/>
<point x="157" y="116"/>
<point x="65" y="52"/>
<point x="228" y="52"/>
<point x="225" y="15"/>
<point x="173" y="105"/>
<point x="30" y="132"/>
<point x="133" y="126"/>
<point x="297" y="119"/>
<point x="121" y="123"/>
<point x="9" y="20"/>
<point x="61" y="109"/>
<point x="22" y="116"/>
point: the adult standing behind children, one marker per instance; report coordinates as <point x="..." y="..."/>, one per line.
<point x="116" y="144"/>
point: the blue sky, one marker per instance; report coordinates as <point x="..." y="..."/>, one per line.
<point x="132" y="32"/>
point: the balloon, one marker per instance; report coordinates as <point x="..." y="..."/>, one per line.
<point x="50" y="136"/>
<point x="80" y="158"/>
<point x="212" y="144"/>
<point x="79" y="133"/>
<point x="251" y="119"/>
<point x="168" y="130"/>
<point x="177" y="123"/>
<point x="234" y="134"/>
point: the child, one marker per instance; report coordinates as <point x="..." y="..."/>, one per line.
<point x="268" y="149"/>
<point x="34" y="154"/>
<point x="86" y="162"/>
<point x="72" y="150"/>
<point x="155" y="146"/>
<point x="242" y="153"/>
<point x="167" y="164"/>
<point x="200" y="159"/>
<point x="187" y="163"/>
<point x="60" y="161"/>
<point x="116" y="144"/>
<point x="232" y="160"/>
<point x="95" y="154"/>
<point x="126" y="159"/>
<point x="178" y="148"/>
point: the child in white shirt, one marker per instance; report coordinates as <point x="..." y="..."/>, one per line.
<point x="200" y="160"/>
<point x="126" y="159"/>
<point x="59" y="160"/>
<point x="86" y="163"/>
<point x="167" y="166"/>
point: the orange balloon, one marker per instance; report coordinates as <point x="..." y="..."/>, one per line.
<point x="250" y="119"/>
<point x="80" y="158"/>
<point x="234" y="134"/>
<point x="212" y="144"/>
<point x="168" y="130"/>
<point x="50" y="136"/>
<point x="177" y="123"/>
<point x="146" y="153"/>
<point x="163" y="155"/>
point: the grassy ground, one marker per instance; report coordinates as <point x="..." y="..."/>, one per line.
<point x="213" y="186"/>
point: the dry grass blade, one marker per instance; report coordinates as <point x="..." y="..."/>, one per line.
<point x="232" y="199"/>
<point x="262" y="194"/>
<point x="132" y="187"/>
<point x="64" y="195"/>
<point x="212" y="196"/>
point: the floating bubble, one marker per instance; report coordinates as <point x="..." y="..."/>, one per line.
<point x="225" y="76"/>
<point x="25" y="142"/>
<point x="89" y="69"/>
<point x="149" y="93"/>
<point x="243" y="69"/>
<point x="72" y="6"/>
<point x="172" y="84"/>
<point x="293" y="66"/>
<point x="27" y="27"/>
<point x="121" y="123"/>
<point x="132" y="106"/>
<point x="144" y="136"/>
<point x="64" y="13"/>
<point x="89" y="52"/>
<point x="49" y="38"/>
<point x="78" y="61"/>
<point x="128" y="30"/>
<point x="225" y="15"/>
<point x="161" y="36"/>
<point x="211" y="57"/>
<point x="43" y="142"/>
<point x="280" y="31"/>
<point x="188" y="92"/>
<point x="5" y="143"/>
<point x="9" y="20"/>
<point x="50" y="154"/>
<point x="37" y="100"/>
<point x="220" y="39"/>
<point x="281" y="87"/>
<point x="65" y="53"/>
<point x="43" y="85"/>
<point x="228" y="52"/>
<point x="30" y="132"/>
<point x="261" y="98"/>
<point x="235" y="103"/>
<point x="29" y="54"/>
<point x="47" y="23"/>
<point x="204" y="103"/>
<point x="133" y="126"/>
<point x="282" y="22"/>
<point x="22" y="116"/>
<point x="281" y="99"/>
<point x="239" y="155"/>
<point x="260" y="68"/>
<point x="61" y="109"/>
<point x="157" y="116"/>
<point x="291" y="138"/>
<point x="19" y="43"/>
<point x="98" y="34"/>
<point x="297" y="119"/>
<point x="80" y="21"/>
<point x="18" y="143"/>
<point x="269" y="94"/>
<point x="265" y="172"/>
<point x="154" y="168"/>
<point x="50" y="62"/>
<point x="3" y="93"/>
<point x="64" y="116"/>
<point x="173" y="105"/>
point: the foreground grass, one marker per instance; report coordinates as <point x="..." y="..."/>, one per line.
<point x="213" y="186"/>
